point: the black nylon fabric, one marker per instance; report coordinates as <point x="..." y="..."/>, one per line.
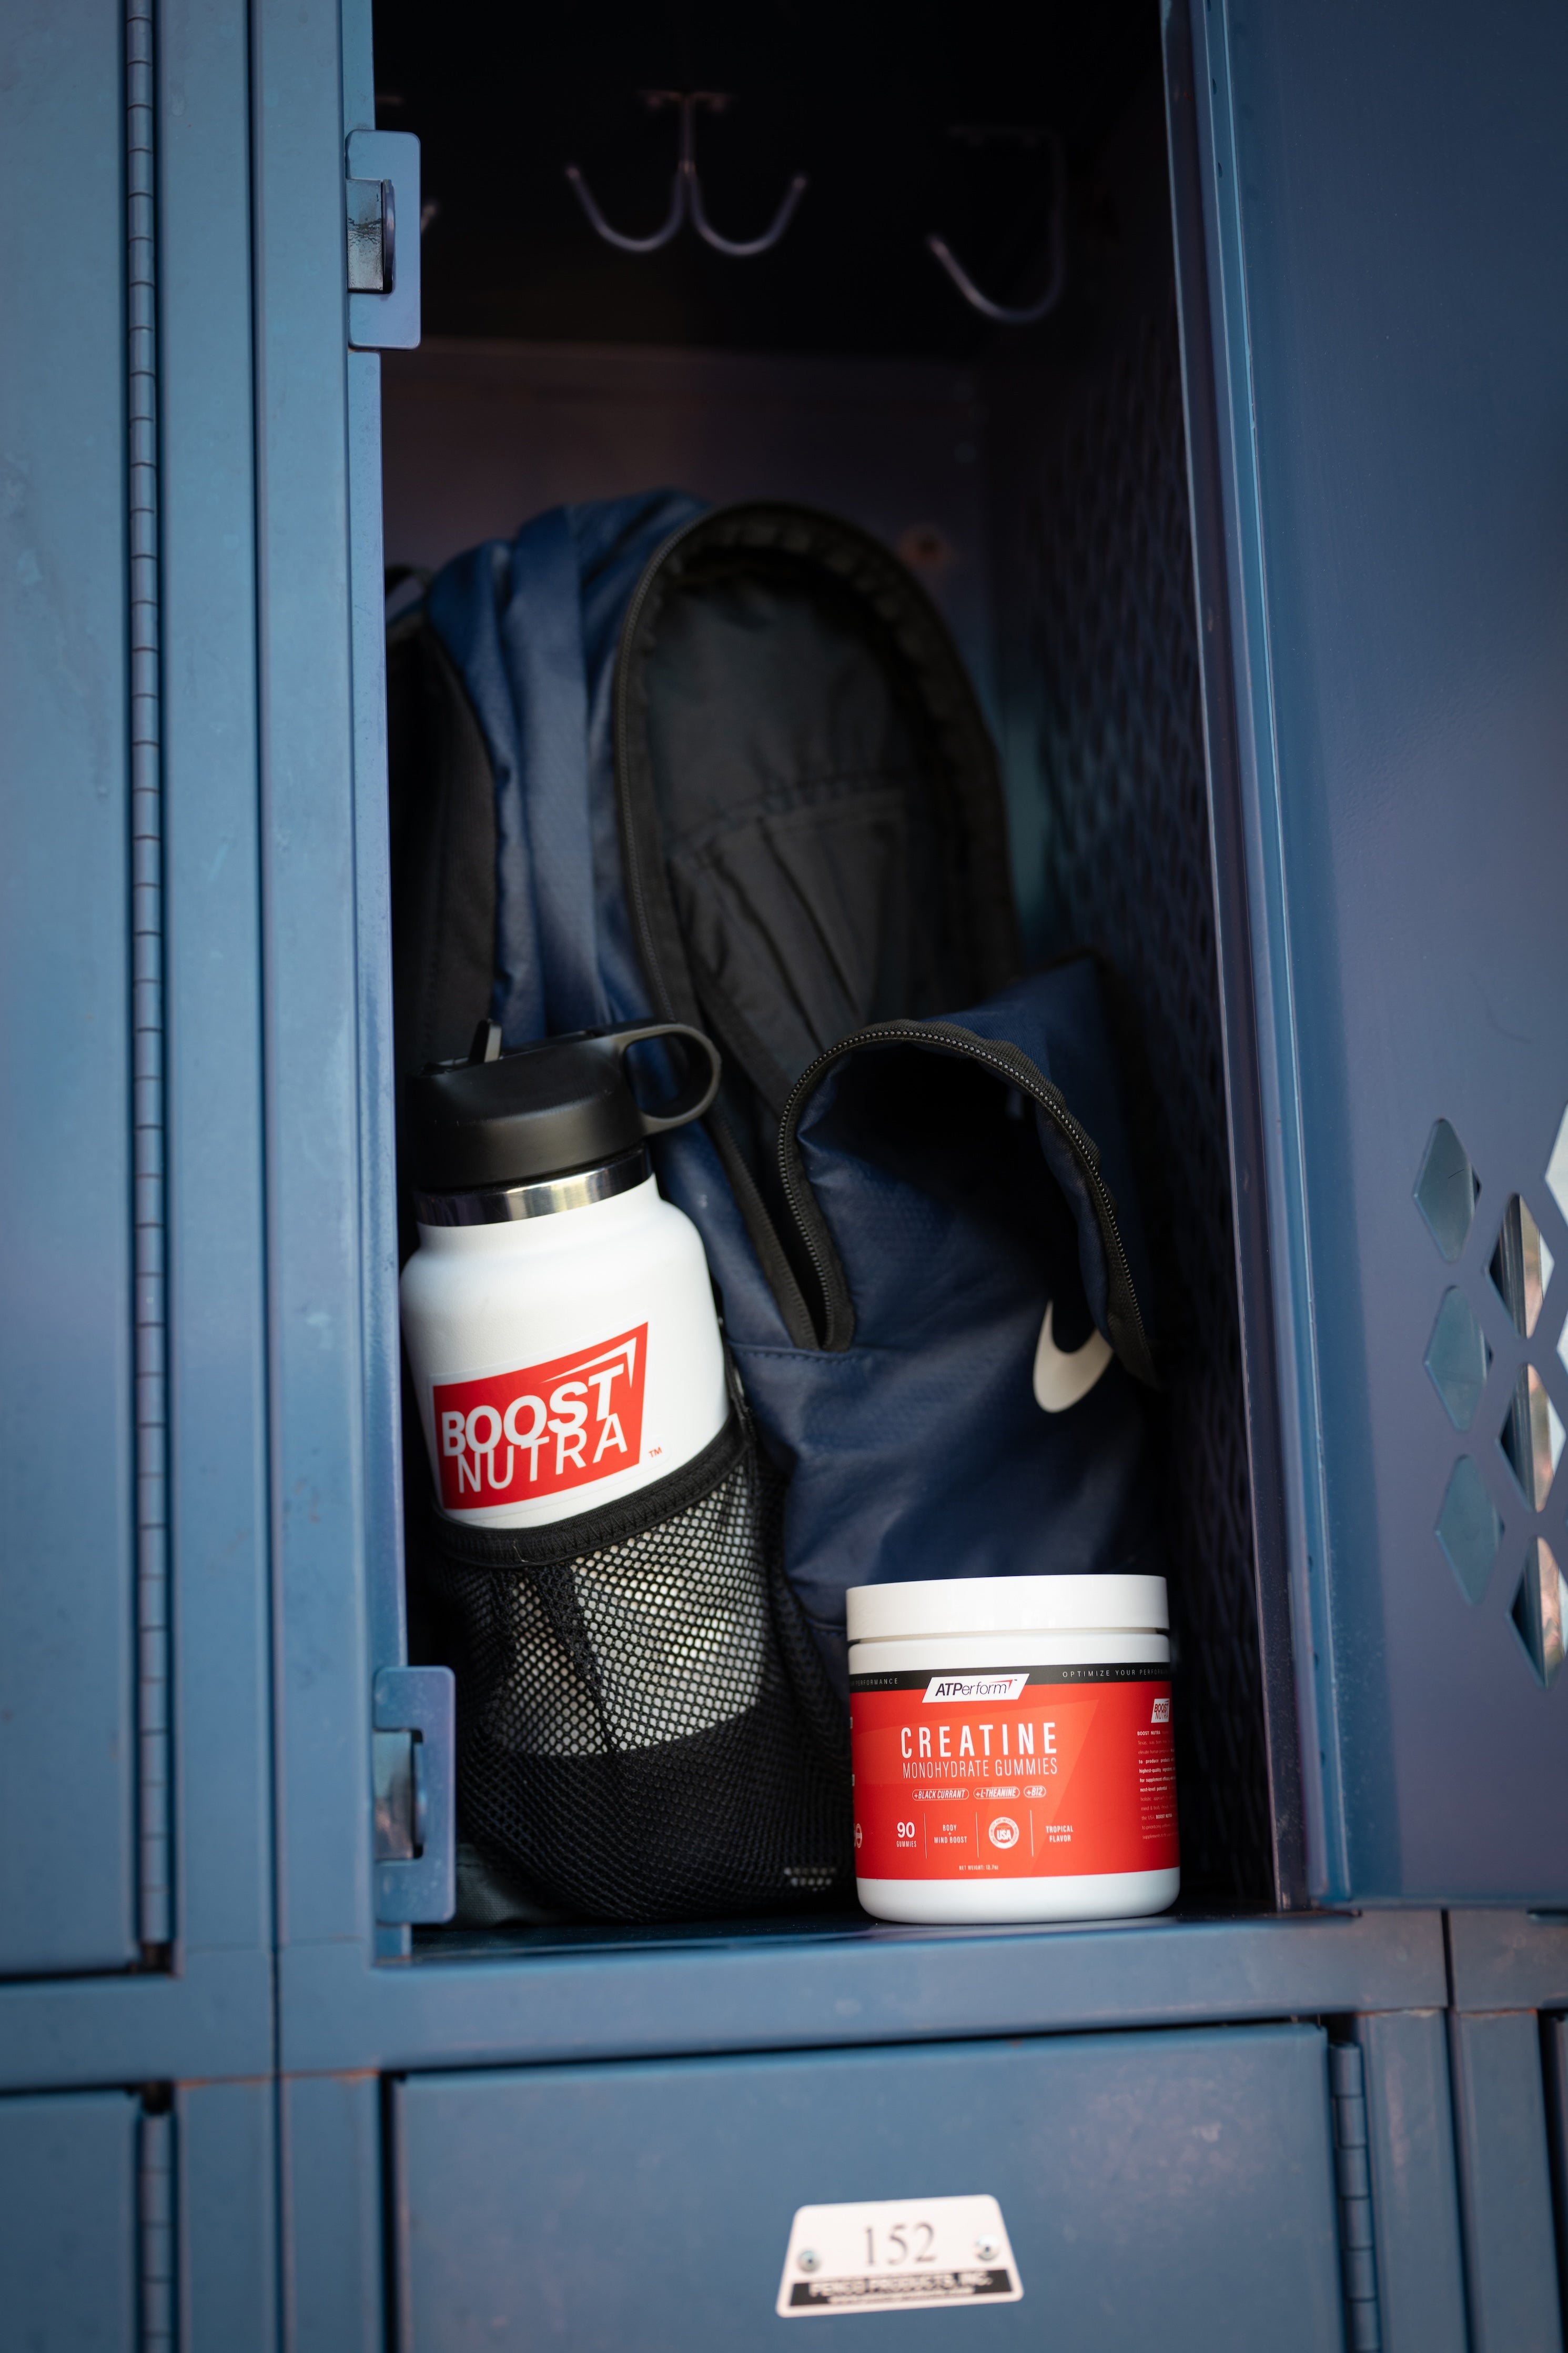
<point x="827" y="892"/>
<point x="443" y="863"/>
<point x="811" y="811"/>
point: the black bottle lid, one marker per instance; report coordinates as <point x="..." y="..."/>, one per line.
<point x="545" y="1111"/>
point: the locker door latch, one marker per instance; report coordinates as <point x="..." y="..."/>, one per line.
<point x="414" y="1747"/>
<point x="373" y="236"/>
<point x="382" y="230"/>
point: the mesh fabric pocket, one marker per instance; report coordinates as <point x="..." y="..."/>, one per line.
<point x="644" y="1730"/>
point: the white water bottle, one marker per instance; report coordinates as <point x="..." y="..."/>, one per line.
<point x="558" y="1312"/>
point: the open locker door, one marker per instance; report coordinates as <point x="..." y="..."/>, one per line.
<point x="1371" y="221"/>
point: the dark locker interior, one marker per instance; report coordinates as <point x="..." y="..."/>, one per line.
<point x="1034" y="475"/>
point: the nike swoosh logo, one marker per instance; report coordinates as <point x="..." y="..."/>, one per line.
<point x="1061" y="1380"/>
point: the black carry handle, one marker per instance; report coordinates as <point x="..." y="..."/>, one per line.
<point x="699" y="1092"/>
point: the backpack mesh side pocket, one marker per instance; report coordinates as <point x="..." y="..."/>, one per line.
<point x="645" y="1729"/>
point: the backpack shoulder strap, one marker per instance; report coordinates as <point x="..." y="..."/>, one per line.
<point x="442" y="795"/>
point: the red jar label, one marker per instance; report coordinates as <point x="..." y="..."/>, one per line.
<point x="1014" y="1772"/>
<point x="543" y="1429"/>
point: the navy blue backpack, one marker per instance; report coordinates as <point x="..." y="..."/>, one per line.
<point x="724" y="768"/>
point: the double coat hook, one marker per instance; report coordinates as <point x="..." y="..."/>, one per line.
<point x="686" y="193"/>
<point x="1056" y="283"/>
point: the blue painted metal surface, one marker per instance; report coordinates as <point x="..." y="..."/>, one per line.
<point x="389" y="322"/>
<point x="222" y="1749"/>
<point x="67" y="1729"/>
<point x="154" y="1657"/>
<point x="1554" y="2050"/>
<point x="378" y="1205"/>
<point x="1352" y="2180"/>
<point x="214" y="2018"/>
<point x="385" y="1593"/>
<point x="334" y="2259"/>
<point x="1393" y="374"/>
<point x="331" y="1212"/>
<point x="226" y="2225"/>
<point x="1415" y="2193"/>
<point x="157" y="2259"/>
<point x="1160" y="2189"/>
<point x="68" y="2223"/>
<point x="214" y="2012"/>
<point x="65" y="1855"/>
<point x="1286" y="1696"/>
<point x="311" y="961"/>
<point x="1505" y="2184"/>
<point x="423" y="1701"/>
<point x="564" y="1994"/>
<point x="1509" y="1960"/>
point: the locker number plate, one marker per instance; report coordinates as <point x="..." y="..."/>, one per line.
<point x="907" y="2253"/>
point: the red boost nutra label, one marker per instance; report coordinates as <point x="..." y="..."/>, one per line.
<point x="543" y="1429"/>
<point x="1015" y="1773"/>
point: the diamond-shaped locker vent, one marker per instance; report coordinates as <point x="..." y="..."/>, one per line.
<point x="1468" y="1529"/>
<point x="1557" y="1168"/>
<point x="1532" y="1437"/>
<point x="1540" y="1611"/>
<point x="1457" y="1357"/>
<point x="1446" y="1187"/>
<point x="1521" y="1266"/>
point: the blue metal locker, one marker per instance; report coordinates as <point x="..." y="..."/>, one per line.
<point x="69" y="2241"/>
<point x="140" y="2222"/>
<point x="136" y="1899"/>
<point x="1369" y="263"/>
<point x="67" y="1716"/>
<point x="238" y="2048"/>
<point x="1508" y="1972"/>
<point x="136" y="1861"/>
<point x="1171" y="2185"/>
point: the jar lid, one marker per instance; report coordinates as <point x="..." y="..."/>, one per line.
<point x="1007" y="1605"/>
<point x="546" y="1111"/>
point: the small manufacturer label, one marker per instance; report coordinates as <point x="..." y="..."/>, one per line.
<point x="897" y="2254"/>
<point x="1054" y="1771"/>
<point x="508" y="1437"/>
<point x="999" y="1688"/>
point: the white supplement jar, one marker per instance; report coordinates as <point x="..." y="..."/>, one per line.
<point x="1013" y="1756"/>
<point x="558" y="1312"/>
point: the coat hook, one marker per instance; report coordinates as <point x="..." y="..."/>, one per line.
<point x="685" y="191"/>
<point x="1055" y="286"/>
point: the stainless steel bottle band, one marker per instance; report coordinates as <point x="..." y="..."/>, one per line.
<point x="505" y="1204"/>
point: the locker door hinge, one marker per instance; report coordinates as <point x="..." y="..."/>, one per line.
<point x="382" y="226"/>
<point x="1352" y="2180"/>
<point x="156" y="2282"/>
<point x="414" y="1745"/>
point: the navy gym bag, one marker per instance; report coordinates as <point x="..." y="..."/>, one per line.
<point x="724" y="768"/>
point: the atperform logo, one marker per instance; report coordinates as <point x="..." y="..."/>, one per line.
<point x="992" y="1689"/>
<point x="541" y="1430"/>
